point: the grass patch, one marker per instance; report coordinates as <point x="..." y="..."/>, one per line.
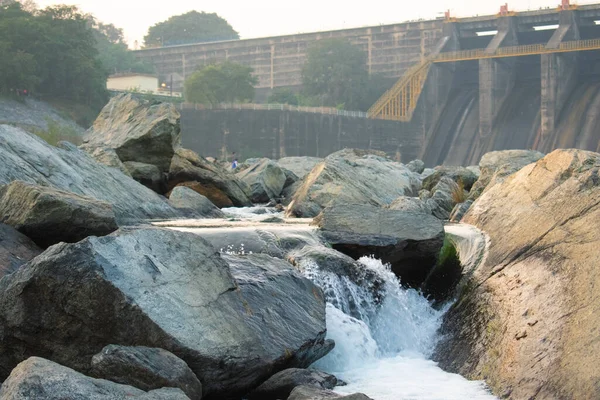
<point x="459" y="195"/>
<point x="57" y="132"/>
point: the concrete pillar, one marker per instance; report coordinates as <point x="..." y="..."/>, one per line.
<point x="559" y="72"/>
<point x="496" y="75"/>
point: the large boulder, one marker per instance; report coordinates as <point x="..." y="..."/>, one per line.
<point x="28" y="158"/>
<point x="409" y="241"/>
<point x="444" y="196"/>
<point x="265" y="179"/>
<point x="410" y="204"/>
<point x="305" y="392"/>
<point x="193" y="203"/>
<point x="497" y="165"/>
<point x="464" y="176"/>
<point x="234" y="321"/>
<point x="48" y="216"/>
<point x="37" y="378"/>
<point x="221" y="187"/>
<point x="352" y="177"/>
<point x="16" y="249"/>
<point x="280" y="385"/>
<point x="147" y="174"/>
<point x="146" y="368"/>
<point x="137" y="130"/>
<point x="300" y="166"/>
<point x="527" y="319"/>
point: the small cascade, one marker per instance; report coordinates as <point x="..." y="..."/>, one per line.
<point x="383" y="349"/>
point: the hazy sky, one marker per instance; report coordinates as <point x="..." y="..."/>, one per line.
<point x="259" y="18"/>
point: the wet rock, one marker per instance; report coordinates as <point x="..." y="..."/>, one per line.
<point x="313" y="393"/>
<point x="234" y="321"/>
<point x="147" y="174"/>
<point x="221" y="187"/>
<point x="416" y="166"/>
<point x="37" y="378"/>
<point x="193" y="203"/>
<point x="48" y="216"/>
<point x="352" y="177"/>
<point x="300" y="166"/>
<point x="461" y="175"/>
<point x="495" y="166"/>
<point x="146" y="368"/>
<point x="541" y="266"/>
<point x="280" y="385"/>
<point x="137" y="130"/>
<point x="410" y="204"/>
<point x="409" y="241"/>
<point x="16" y="249"/>
<point x="28" y="158"/>
<point x="265" y="179"/>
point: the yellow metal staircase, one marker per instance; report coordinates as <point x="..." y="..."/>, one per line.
<point x="400" y="101"/>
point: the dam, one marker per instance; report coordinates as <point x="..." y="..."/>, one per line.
<point x="515" y="80"/>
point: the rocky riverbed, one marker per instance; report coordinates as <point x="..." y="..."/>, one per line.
<point x="132" y="267"/>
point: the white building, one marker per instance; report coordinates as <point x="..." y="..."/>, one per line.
<point x="142" y="83"/>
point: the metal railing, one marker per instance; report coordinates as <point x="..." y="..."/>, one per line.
<point x="278" y="107"/>
<point x="400" y="101"/>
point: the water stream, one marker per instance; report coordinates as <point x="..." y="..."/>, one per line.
<point x="383" y="348"/>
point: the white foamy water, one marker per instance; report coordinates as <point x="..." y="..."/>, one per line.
<point x="385" y="353"/>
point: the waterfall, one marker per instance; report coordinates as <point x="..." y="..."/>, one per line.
<point x="383" y="349"/>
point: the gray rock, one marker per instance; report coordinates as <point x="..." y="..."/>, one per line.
<point x="273" y="220"/>
<point x="290" y="178"/>
<point x="460" y="210"/>
<point x="265" y="179"/>
<point x="221" y="187"/>
<point x="427" y="172"/>
<point x="148" y="175"/>
<point x="300" y="166"/>
<point x="313" y="393"/>
<point x="16" y="249"/>
<point x="496" y="166"/>
<point x="409" y="241"/>
<point x="30" y="159"/>
<point x="329" y="260"/>
<point x="37" y="378"/>
<point x="48" y="216"/>
<point x="416" y="166"/>
<point x="444" y="196"/>
<point x="280" y="385"/>
<point x="146" y="368"/>
<point x="410" y="204"/>
<point x="194" y="203"/>
<point x="109" y="158"/>
<point x="233" y="325"/>
<point x="462" y="175"/>
<point x="352" y="176"/>
<point x="137" y="130"/>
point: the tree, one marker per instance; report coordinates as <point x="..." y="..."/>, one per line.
<point x="192" y="27"/>
<point x="335" y="72"/>
<point x="221" y="83"/>
<point x="283" y="96"/>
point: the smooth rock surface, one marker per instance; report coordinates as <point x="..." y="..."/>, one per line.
<point x="497" y="165"/>
<point x="409" y="241"/>
<point x="265" y="179"/>
<point x="280" y="385"/>
<point x="16" y="249"/>
<point x="352" y="177"/>
<point x="221" y="187"/>
<point x="48" y="216"/>
<point x="147" y="174"/>
<point x="233" y="325"/>
<point x="300" y="166"/>
<point x="527" y="319"/>
<point x="28" y="158"/>
<point x="37" y="378"/>
<point x="194" y="203"/>
<point x="146" y="368"/>
<point x="313" y="393"/>
<point x="137" y="130"/>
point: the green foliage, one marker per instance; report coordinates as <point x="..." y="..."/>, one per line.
<point x="283" y="96"/>
<point x="220" y="83"/>
<point x="57" y="133"/>
<point x="335" y="72"/>
<point x="113" y="52"/>
<point x="192" y="27"/>
<point x="50" y="53"/>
